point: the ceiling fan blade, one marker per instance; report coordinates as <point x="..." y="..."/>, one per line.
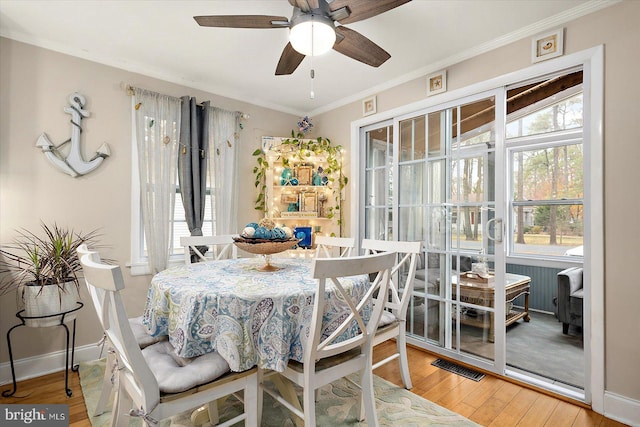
<point x="242" y="21"/>
<point x="313" y="4"/>
<point x="363" y="9"/>
<point x="305" y="5"/>
<point x="289" y="61"/>
<point x="354" y="45"/>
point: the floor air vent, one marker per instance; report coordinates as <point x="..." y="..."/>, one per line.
<point x="457" y="369"/>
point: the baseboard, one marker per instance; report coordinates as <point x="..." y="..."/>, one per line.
<point x="36" y="366"/>
<point x="621" y="408"/>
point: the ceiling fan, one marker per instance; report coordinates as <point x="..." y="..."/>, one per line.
<point x="313" y="29"/>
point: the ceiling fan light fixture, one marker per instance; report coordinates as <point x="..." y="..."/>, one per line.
<point x="312" y="35"/>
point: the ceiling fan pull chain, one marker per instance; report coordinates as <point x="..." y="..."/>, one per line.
<point x="312" y="95"/>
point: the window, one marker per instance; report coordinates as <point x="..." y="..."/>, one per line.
<point x="179" y="228"/>
<point x="547" y="188"/>
<point x="156" y="120"/>
<point x="179" y="223"/>
<point x="564" y="115"/>
<point x="155" y="184"/>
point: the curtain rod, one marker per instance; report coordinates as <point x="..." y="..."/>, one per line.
<point x="131" y="91"/>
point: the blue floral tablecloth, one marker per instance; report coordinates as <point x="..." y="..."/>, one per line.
<point x="250" y="317"/>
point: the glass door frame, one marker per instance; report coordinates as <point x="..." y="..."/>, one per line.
<point x="455" y="351"/>
<point x="592" y="61"/>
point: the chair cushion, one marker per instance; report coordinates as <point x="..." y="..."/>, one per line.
<point x="327" y="362"/>
<point x="140" y="333"/>
<point x="387" y="318"/>
<point x="172" y="377"/>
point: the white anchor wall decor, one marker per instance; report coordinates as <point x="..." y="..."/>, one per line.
<point x="73" y="164"/>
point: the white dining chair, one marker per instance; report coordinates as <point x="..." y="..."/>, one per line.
<point x="155" y="381"/>
<point x="221" y="247"/>
<point x="328" y="246"/>
<point x="393" y="322"/>
<point x="142" y="337"/>
<point x="326" y="358"/>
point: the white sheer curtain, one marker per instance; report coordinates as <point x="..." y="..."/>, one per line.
<point x="223" y="170"/>
<point x="157" y="124"/>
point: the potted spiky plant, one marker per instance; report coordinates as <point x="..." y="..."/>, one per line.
<point x="43" y="269"/>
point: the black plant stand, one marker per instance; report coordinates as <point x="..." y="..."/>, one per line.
<point x="74" y="368"/>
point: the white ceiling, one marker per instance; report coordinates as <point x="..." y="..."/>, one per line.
<point x="161" y="39"/>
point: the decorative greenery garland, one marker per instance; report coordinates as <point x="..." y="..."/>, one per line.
<point x="298" y="148"/>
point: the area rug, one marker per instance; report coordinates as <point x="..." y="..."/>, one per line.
<point x="337" y="406"/>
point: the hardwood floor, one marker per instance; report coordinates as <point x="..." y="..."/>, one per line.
<point x="50" y="389"/>
<point x="489" y="402"/>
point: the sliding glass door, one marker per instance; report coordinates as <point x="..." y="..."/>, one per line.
<point x="495" y="186"/>
<point x="437" y="185"/>
<point x="378" y="194"/>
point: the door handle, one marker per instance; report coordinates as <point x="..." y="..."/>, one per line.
<point x="497" y="237"/>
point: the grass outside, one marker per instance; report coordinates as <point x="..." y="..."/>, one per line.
<point x="543" y="239"/>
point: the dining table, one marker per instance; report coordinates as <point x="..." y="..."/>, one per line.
<point x="250" y="317"/>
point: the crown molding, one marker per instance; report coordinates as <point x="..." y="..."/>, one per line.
<point x="528" y="31"/>
<point x="554" y="21"/>
<point x="144" y="70"/>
